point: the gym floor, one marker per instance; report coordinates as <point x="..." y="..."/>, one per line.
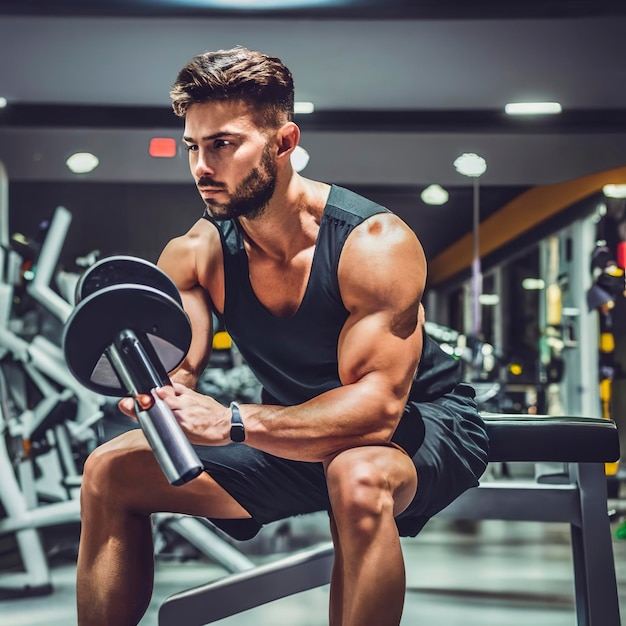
<point x="489" y="574"/>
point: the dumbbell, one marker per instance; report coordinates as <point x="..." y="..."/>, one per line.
<point x="126" y="333"/>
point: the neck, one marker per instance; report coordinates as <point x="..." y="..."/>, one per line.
<point x="291" y="220"/>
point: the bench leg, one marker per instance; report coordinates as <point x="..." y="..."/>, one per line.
<point x="595" y="582"/>
<point x="239" y="592"/>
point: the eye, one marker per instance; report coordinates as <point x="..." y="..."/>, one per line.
<point x="221" y="143"/>
<point x="191" y="147"/>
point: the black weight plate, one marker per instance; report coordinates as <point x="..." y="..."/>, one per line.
<point x="118" y="270"/>
<point x="96" y="321"/>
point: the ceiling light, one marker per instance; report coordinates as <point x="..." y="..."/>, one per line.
<point x="434" y="195"/>
<point x="489" y="299"/>
<point x="532" y="284"/>
<point x="470" y="164"/>
<point x="3" y="102"/>
<point x="614" y="191"/>
<point x="82" y="162"/>
<point x="255" y="4"/>
<point x="532" y="108"/>
<point x="303" y="107"/>
<point x="299" y="158"/>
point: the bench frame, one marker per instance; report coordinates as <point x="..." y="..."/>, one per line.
<point x="581" y="502"/>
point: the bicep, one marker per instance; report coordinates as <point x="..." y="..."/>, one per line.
<point x="371" y="350"/>
<point x="382" y="277"/>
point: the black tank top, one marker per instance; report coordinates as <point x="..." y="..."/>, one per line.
<point x="295" y="358"/>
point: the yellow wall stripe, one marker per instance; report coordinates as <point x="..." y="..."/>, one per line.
<point x="520" y="215"/>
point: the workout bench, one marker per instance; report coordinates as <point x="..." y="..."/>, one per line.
<point x="584" y="444"/>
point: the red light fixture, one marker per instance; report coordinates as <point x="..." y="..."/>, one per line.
<point x="162" y="147"/>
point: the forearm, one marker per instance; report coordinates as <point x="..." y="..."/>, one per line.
<point x="186" y="377"/>
<point x="349" y="416"/>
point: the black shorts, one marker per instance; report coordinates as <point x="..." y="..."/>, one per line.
<point x="445" y="438"/>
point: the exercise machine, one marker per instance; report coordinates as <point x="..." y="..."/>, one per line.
<point x="51" y="430"/>
<point x="44" y="414"/>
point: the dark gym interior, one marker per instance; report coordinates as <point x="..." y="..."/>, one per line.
<point x="399" y="90"/>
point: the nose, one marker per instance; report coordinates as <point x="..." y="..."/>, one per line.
<point x="202" y="167"/>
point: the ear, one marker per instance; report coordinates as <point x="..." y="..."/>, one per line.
<point x="287" y="139"/>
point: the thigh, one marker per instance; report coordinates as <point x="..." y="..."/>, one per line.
<point x="383" y="467"/>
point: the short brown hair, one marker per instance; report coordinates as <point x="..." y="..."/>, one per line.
<point x="240" y="74"/>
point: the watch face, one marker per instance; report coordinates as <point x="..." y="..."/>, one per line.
<point x="237" y="433"/>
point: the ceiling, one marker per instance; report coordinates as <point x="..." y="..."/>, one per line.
<point x="401" y="88"/>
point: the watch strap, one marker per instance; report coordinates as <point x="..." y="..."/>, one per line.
<point x="237" y="430"/>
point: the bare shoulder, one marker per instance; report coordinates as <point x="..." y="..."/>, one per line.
<point x="189" y="258"/>
<point x="382" y="264"/>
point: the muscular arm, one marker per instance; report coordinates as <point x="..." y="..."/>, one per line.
<point x="381" y="275"/>
<point x="180" y="260"/>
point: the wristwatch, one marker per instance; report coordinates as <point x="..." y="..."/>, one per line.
<point x="237" y="430"/>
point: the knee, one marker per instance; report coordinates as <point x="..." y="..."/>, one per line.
<point x="104" y="471"/>
<point x="359" y="490"/>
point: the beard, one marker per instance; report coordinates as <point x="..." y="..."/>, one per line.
<point x="251" y="196"/>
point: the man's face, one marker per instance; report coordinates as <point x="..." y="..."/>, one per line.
<point x="230" y="159"/>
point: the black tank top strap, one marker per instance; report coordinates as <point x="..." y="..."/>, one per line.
<point x="231" y="236"/>
<point x="350" y="207"/>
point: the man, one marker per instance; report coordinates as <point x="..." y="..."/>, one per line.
<point x="321" y="290"/>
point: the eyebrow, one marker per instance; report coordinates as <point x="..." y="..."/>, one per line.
<point x="217" y="135"/>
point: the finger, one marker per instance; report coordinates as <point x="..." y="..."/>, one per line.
<point x="127" y="406"/>
<point x="144" y="400"/>
<point x="165" y="392"/>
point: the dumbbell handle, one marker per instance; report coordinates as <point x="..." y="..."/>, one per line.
<point x="174" y="453"/>
<point x="138" y="372"/>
